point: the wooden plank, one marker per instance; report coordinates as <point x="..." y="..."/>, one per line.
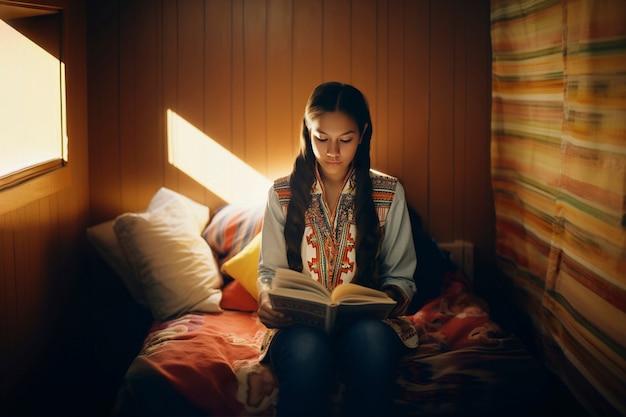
<point x="16" y="287"/>
<point x="104" y="141"/>
<point x="218" y="58"/>
<point x="416" y="105"/>
<point x="363" y="57"/>
<point x="461" y="176"/>
<point x="395" y="82"/>
<point x="441" y="146"/>
<point x="77" y="114"/>
<point x="150" y="117"/>
<point x="364" y="53"/>
<point x="255" y="78"/>
<point x="218" y="71"/>
<point x="7" y="302"/>
<point x="32" y="285"/>
<point x="479" y="211"/>
<point x="190" y="81"/>
<point x="279" y="81"/>
<point x="238" y="128"/>
<point x="129" y="151"/>
<point x="169" y="86"/>
<point x="381" y="134"/>
<point x="336" y="41"/>
<point x="307" y="61"/>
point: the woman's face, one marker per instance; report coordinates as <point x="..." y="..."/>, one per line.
<point x="335" y="138"/>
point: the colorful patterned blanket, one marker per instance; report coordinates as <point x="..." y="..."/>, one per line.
<point x="208" y="364"/>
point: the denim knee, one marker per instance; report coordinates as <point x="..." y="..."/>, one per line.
<point x="302" y="360"/>
<point x="301" y="348"/>
<point x="371" y="345"/>
<point x="371" y="353"/>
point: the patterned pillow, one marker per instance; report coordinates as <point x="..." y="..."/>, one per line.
<point x="243" y="266"/>
<point x="231" y="228"/>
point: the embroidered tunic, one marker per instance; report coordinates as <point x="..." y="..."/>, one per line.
<point x="328" y="244"/>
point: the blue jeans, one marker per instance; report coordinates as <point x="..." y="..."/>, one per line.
<point x="305" y="360"/>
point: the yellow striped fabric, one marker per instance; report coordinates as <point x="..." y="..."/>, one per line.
<point x="559" y="179"/>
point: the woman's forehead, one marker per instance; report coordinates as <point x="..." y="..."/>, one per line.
<point x="335" y="122"/>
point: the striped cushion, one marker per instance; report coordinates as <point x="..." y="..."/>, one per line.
<point x="231" y="228"/>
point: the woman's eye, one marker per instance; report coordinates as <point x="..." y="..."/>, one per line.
<point x="348" y="140"/>
<point x="317" y="138"/>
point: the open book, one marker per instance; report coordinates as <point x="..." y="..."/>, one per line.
<point x="308" y="302"/>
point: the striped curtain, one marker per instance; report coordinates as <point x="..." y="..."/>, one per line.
<point x="559" y="179"/>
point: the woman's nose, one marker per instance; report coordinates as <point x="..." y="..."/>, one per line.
<point x="333" y="149"/>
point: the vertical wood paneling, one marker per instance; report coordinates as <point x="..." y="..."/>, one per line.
<point x="148" y="106"/>
<point x="394" y="135"/>
<point x="241" y="72"/>
<point x="191" y="98"/>
<point x="104" y="147"/>
<point x="21" y="257"/>
<point x="238" y="84"/>
<point x="478" y="196"/>
<point x="218" y="77"/>
<point x="10" y="299"/>
<point x="306" y="57"/>
<point x="460" y="120"/>
<point x="363" y="45"/>
<point x="416" y="104"/>
<point x="441" y="136"/>
<point x="380" y="117"/>
<point x="6" y="261"/>
<point x="337" y="50"/>
<point x="129" y="145"/>
<point x="34" y="237"/>
<point x="169" y="64"/>
<point x="278" y="83"/>
<point x="218" y="74"/>
<point x="30" y="287"/>
<point x="255" y="78"/>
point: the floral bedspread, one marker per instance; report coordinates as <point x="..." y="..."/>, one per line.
<point x="208" y="364"/>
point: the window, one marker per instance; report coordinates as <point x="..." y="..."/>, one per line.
<point x="33" y="138"/>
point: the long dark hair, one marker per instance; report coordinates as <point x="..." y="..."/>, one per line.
<point x="331" y="97"/>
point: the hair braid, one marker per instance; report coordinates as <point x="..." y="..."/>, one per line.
<point x="300" y="183"/>
<point x="367" y="223"/>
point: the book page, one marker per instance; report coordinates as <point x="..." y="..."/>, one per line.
<point x="287" y="278"/>
<point x="300" y="293"/>
<point x="358" y="294"/>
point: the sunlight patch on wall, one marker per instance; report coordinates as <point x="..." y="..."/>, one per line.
<point x="212" y="165"/>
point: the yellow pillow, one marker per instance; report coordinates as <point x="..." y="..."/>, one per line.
<point x="244" y="265"/>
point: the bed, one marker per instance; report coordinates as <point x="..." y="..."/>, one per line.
<point x="192" y="273"/>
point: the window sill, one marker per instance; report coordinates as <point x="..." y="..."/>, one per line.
<point x="35" y="189"/>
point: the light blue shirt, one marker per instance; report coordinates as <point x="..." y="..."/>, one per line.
<point x="397" y="252"/>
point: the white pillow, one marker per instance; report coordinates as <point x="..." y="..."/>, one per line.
<point x="166" y="199"/>
<point x="174" y="264"/>
<point x="102" y="237"/>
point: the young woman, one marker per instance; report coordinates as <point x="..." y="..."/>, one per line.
<point x="338" y="221"/>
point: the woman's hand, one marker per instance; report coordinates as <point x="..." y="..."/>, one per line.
<point x="270" y="317"/>
<point x="395" y="295"/>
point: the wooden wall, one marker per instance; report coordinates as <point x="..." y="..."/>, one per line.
<point x="240" y="71"/>
<point x="42" y="227"/>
